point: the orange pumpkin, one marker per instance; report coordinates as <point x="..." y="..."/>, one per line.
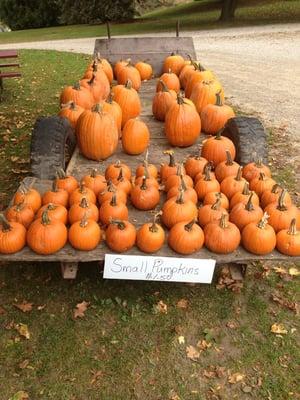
<point x="195" y="165"/>
<point x="83" y="208"/>
<point x="170" y="80"/>
<point x="243" y="197"/>
<point x="178" y="179"/>
<point x="129" y="72"/>
<point x="80" y="193"/>
<point x="99" y="87"/>
<point x="200" y="74"/>
<point x="185" y="73"/>
<point x="178" y="210"/>
<point x="272" y="196"/>
<point x="205" y="93"/>
<point x="29" y="196"/>
<point x="253" y="170"/>
<point x="122" y="183"/>
<point x="129" y="101"/>
<point x="66" y="182"/>
<point x="214" y="116"/>
<point x="211" y="197"/>
<point x="119" y="65"/>
<point x="162" y="101"/>
<point x="56" y="196"/>
<point x="186" y="238"/>
<point x="233" y="184"/>
<point x="135" y="136"/>
<point x="214" y="149"/>
<point x="113" y="171"/>
<point x="112" y="107"/>
<point x="71" y="111"/>
<point x="114" y="208"/>
<point x="226" y="168"/>
<point x="145" y="167"/>
<point x="261" y="184"/>
<point x="242" y="214"/>
<point x="288" y="240"/>
<point x="144" y="196"/>
<point x="78" y="94"/>
<point x="107" y="194"/>
<point x="211" y="213"/>
<point x="120" y="236"/>
<point x="168" y="169"/>
<point x="21" y="213"/>
<point x="56" y="212"/>
<point x="259" y="238"/>
<point x="84" y="235"/>
<point x="95" y="182"/>
<point x="145" y="70"/>
<point x="282" y="214"/>
<point x="150" y="237"/>
<point x="107" y="68"/>
<point x="12" y="236"/>
<point x="206" y="184"/>
<point x="189" y="193"/>
<point x="174" y="63"/>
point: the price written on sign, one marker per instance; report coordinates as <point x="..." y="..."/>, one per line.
<point x="149" y="268"/>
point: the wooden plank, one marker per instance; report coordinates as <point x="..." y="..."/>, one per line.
<point x="10" y="74"/>
<point x="153" y="49"/>
<point x="8" y="54"/>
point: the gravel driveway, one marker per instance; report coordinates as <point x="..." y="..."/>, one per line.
<point x="258" y="66"/>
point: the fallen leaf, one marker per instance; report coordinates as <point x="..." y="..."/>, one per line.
<point x="21" y="395"/>
<point x="209" y="374"/>
<point x="293" y="306"/>
<point x="96" y="376"/>
<point x="280" y="270"/>
<point x="25" y="307"/>
<point x="236" y="377"/>
<point x="294" y="271"/>
<point x="40" y="308"/>
<point x="23" y="330"/>
<point x="182" y="303"/>
<point x="247" y="389"/>
<point x="24" y="364"/>
<point x="161" y="307"/>
<point x="231" y="325"/>
<point x="173" y="395"/>
<point x="279" y="329"/>
<point x="192" y="353"/>
<point x="203" y="344"/>
<point x="181" y="339"/>
<point x="2" y="311"/>
<point x="80" y="309"/>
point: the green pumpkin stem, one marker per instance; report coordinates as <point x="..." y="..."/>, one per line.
<point x="246" y="190"/>
<point x="163" y="86"/>
<point x="239" y="174"/>
<point x="5" y="224"/>
<point x="180" y="99"/>
<point x="219" y="101"/>
<point x="84" y="203"/>
<point x="188" y="227"/>
<point x="54" y="186"/>
<point x="180" y="199"/>
<point x="77" y="86"/>
<point x="154" y="227"/>
<point x="128" y="84"/>
<point x="93" y="173"/>
<point x="281" y="206"/>
<point x="275" y="188"/>
<point x="113" y="201"/>
<point x="264" y="221"/>
<point x="207" y="170"/>
<point x="217" y="204"/>
<point x="110" y="97"/>
<point x="223" y="221"/>
<point x="120" y="224"/>
<point x="121" y="176"/>
<point x="249" y="206"/>
<point x="98" y="108"/>
<point x="144" y="183"/>
<point x="60" y="173"/>
<point x="92" y="80"/>
<point x="293" y="228"/>
<point x="45" y="218"/>
<point x="219" y="134"/>
<point x="172" y="158"/>
<point x="229" y="160"/>
<point x="51" y="207"/>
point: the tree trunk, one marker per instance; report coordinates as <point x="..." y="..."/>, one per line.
<point x="228" y="10"/>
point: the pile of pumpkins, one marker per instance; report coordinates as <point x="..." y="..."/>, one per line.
<point x="238" y="205"/>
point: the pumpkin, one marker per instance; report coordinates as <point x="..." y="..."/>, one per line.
<point x="107" y="68"/>
<point x="186" y="238"/>
<point x="177" y="179"/>
<point x="151" y="168"/>
<point x="46" y="236"/>
<point x="71" y="111"/>
<point x="80" y="193"/>
<point x="282" y="214"/>
<point x="243" y="197"/>
<point x="119" y="65"/>
<point x="233" y="184"/>
<point x="214" y="116"/>
<point x="226" y="168"/>
<point x="288" y="240"/>
<point x="242" y="214"/>
<point x="206" y="185"/>
<point x="272" y="195"/>
<point x="182" y="124"/>
<point x="129" y="72"/>
<point x="122" y="183"/>
<point x="151" y="236"/>
<point x="135" y="136"/>
<point x="113" y="208"/>
<point x="145" y="70"/>
<point x="214" y="149"/>
<point x="170" y="80"/>
<point x="188" y="192"/>
<point x="144" y="197"/>
<point x="205" y="93"/>
<point x="95" y="182"/>
<point x="201" y="175"/>
<point x="195" y="165"/>
<point x="21" y="213"/>
<point x="211" y="197"/>
<point x="129" y="101"/>
<point x="12" y="236"/>
<point x="78" y="94"/>
<point x="174" y="63"/>
<point x="199" y="75"/>
<point x="108" y="193"/>
<point x="162" y="101"/>
<point x="83" y="208"/>
<point x="56" y="212"/>
<point x="120" y="235"/>
<point x="261" y="184"/>
<point x="211" y="213"/>
<point x="177" y="210"/>
<point x="259" y="238"/>
<point x="56" y="196"/>
<point x="112" y="107"/>
<point x="186" y="72"/>
<point x="29" y="196"/>
<point x="97" y="134"/>
<point x="84" y="235"/>
<point x="149" y="180"/>
<point x="223" y="237"/>
<point x="168" y="169"/>
<point x="66" y="182"/>
<point x="113" y="171"/>
<point x="99" y="87"/>
<point x="253" y="170"/>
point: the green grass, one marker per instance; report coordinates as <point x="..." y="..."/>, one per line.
<point x="195" y="15"/>
<point x="134" y="349"/>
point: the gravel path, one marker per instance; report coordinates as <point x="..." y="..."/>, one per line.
<point x="258" y="66"/>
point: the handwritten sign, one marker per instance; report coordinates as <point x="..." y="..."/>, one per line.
<point x="149" y="268"/>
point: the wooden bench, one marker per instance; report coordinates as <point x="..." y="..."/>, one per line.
<point x="4" y="54"/>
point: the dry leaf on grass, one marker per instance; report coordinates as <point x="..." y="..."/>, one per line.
<point x="21" y="395"/>
<point x="236" y="377"/>
<point x="161" y="307"/>
<point x="294" y="271"/>
<point x="25" y="307"/>
<point x="279" y="329"/>
<point x="24" y="364"/>
<point x="173" y="395"/>
<point x="293" y="306"/>
<point x="181" y="339"/>
<point x="231" y="325"/>
<point x="23" y="330"/>
<point x="182" y="303"/>
<point x="192" y="353"/>
<point x="96" y="375"/>
<point x="203" y="344"/>
<point x="80" y="309"/>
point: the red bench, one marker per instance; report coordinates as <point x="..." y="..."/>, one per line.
<point x="4" y="54"/>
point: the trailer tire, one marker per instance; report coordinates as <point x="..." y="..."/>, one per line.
<point x="249" y="138"/>
<point x="52" y="144"/>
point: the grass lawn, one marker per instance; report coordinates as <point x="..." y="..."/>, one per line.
<point x="124" y="348"/>
<point x="195" y="15"/>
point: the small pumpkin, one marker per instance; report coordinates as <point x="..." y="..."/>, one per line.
<point x="233" y="184"/>
<point x="272" y="195"/>
<point x="145" y="70"/>
<point x="189" y="193"/>
<point x="119" y="65"/>
<point x="282" y="214"/>
<point x="21" y="213"/>
<point x="199" y="75"/>
<point x="226" y="168"/>
<point x="99" y="87"/>
<point x="253" y="170"/>
<point x="288" y="240"/>
<point x="223" y="237"/>
<point x="129" y="72"/>
<point x="261" y="184"/>
<point x="83" y="208"/>
<point x="205" y="93"/>
<point x="112" y="107"/>
<point x="46" y="236"/>
<point x="170" y="80"/>
<point x="211" y="197"/>
<point x="259" y="238"/>
<point x="78" y="94"/>
<point x="195" y="165"/>
<point x="145" y="197"/>
<point x="214" y="149"/>
<point x="243" y="197"/>
<point x="29" y="196"/>
<point x="12" y="236"/>
<point x="56" y="196"/>
<point x="211" y="213"/>
<point x="71" y="111"/>
<point x="168" y="169"/>
<point x="186" y="238"/>
<point x="162" y="101"/>
<point x="201" y="175"/>
<point x="66" y="182"/>
<point x="174" y="63"/>
<point x="122" y="183"/>
<point x="78" y="194"/>
<point x="107" y="194"/>
<point x="113" y="208"/>
<point x="177" y="179"/>
<point x="206" y="185"/>
<point x="242" y="214"/>
<point x="151" y="236"/>
<point x="182" y="124"/>
<point x="84" y="235"/>
<point x="135" y="136"/>
<point x="113" y="171"/>
<point x="151" y="168"/>
<point x="186" y="72"/>
<point x="56" y="212"/>
<point x="177" y="210"/>
<point x="149" y="180"/>
<point x="129" y="101"/>
<point x="95" y="182"/>
<point x="214" y="116"/>
<point x="120" y="235"/>
<point x="107" y="68"/>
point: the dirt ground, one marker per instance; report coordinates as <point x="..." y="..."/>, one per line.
<point x="258" y="66"/>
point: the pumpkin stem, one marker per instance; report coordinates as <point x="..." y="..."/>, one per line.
<point x="182" y="184"/>
<point x="264" y="221"/>
<point x="281" y="206"/>
<point x="93" y="173"/>
<point x="275" y="188"/>
<point x="128" y="84"/>
<point x="200" y="67"/>
<point x="249" y="206"/>
<point x="113" y="201"/>
<point x="20" y="205"/>
<point x="81" y="188"/>
<point x="98" y="108"/>
<point x="180" y="99"/>
<point x="180" y="199"/>
<point x="219" y="101"/>
<point x="121" y="176"/>
<point x="239" y="174"/>
<point x="5" y="224"/>
<point x="110" y="186"/>
<point x="61" y="173"/>
<point x="219" y="134"/>
<point x="70" y="104"/>
<point x="223" y="221"/>
<point x="207" y="170"/>
<point x="229" y="160"/>
<point x="259" y="163"/>
<point x="51" y="207"/>
<point x="154" y="227"/>
<point x="120" y="224"/>
<point x="262" y="176"/>
<point x="144" y="183"/>
<point x="84" y="203"/>
<point x="54" y="186"/>
<point x="246" y="190"/>
<point x="292" y="229"/>
<point x="76" y="86"/>
<point x="217" y="204"/>
<point x="172" y="158"/>
<point x="188" y="227"/>
<point x="84" y="221"/>
<point x="164" y="86"/>
<point x="45" y="218"/>
<point x="110" y="97"/>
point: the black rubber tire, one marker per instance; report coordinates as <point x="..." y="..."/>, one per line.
<point x="52" y="143"/>
<point x="249" y="138"/>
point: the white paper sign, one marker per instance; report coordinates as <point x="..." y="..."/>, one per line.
<point x="149" y="268"/>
